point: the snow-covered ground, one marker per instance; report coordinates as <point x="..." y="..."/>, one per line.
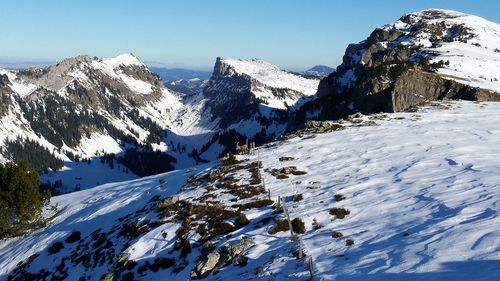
<point x="423" y="191"/>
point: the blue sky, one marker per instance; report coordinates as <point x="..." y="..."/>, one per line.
<point x="295" y="34"/>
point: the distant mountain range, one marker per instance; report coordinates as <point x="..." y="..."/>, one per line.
<point x="112" y="110"/>
<point x="319" y="70"/>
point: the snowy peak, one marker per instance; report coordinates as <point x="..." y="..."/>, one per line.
<point x="266" y="73"/>
<point x="127" y="59"/>
<point x="427" y="55"/>
<point x="88" y="71"/>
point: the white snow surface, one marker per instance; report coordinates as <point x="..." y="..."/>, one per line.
<point x="423" y="191"/>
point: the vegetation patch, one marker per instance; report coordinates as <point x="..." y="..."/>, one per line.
<point x="281" y="225"/>
<point x="298" y="226"/>
<point x="339" y="213"/>
<point x="297" y="197"/>
<point x="73" y="237"/>
<point x="55" y="248"/>
<point x="20" y="199"/>
<point x="339" y="197"/>
<point x="337" y="234"/>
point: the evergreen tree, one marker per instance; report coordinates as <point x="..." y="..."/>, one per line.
<point x="21" y="202"/>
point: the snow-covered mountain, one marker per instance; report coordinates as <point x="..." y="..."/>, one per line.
<point x="319" y="71"/>
<point x="404" y="196"/>
<point x="423" y="56"/>
<point x="89" y="108"/>
<point x="251" y="99"/>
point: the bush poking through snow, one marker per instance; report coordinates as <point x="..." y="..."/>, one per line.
<point x="349" y="242"/>
<point x="337" y="234"/>
<point x="241" y="221"/>
<point x="162" y="181"/>
<point x="339" y="197"/>
<point x="297" y="197"/>
<point x="339" y="213"/>
<point x="298" y="226"/>
<point x="55" y="248"/>
<point x="241" y="261"/>
<point x="254" y="204"/>
<point x="230" y="160"/>
<point x="73" y="237"/>
<point x="281" y="225"/>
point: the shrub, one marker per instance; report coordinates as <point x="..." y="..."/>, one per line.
<point x="241" y="221"/>
<point x="297" y="197"/>
<point x="281" y="225"/>
<point x="55" y="248"/>
<point x="349" y="242"/>
<point x="162" y="263"/>
<point x="254" y="204"/>
<point x="339" y="197"/>
<point x="337" y="234"/>
<point x="339" y="212"/>
<point x="282" y="176"/>
<point x="241" y="261"/>
<point x="230" y="160"/>
<point x="73" y="237"/>
<point x="298" y="225"/>
<point x="162" y="181"/>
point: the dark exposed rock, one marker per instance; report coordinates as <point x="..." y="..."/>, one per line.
<point x="221" y="258"/>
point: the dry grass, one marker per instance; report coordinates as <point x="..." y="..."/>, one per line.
<point x="337" y="234"/>
<point x="339" y="213"/>
<point x="281" y="225"/>
<point x="298" y="226"/>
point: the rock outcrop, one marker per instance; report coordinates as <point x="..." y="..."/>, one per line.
<point x="410" y="62"/>
<point x="220" y="258"/>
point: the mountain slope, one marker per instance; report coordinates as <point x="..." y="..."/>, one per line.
<point x="424" y="56"/>
<point x="251" y="99"/>
<point x="84" y="107"/>
<point x="115" y="112"/>
<point x="419" y="209"/>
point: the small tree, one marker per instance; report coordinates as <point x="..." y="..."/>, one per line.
<point x="162" y="181"/>
<point x="21" y="202"/>
<point x="230" y="159"/>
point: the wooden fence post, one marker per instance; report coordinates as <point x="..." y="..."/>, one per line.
<point x="311" y="269"/>
<point x="287" y="217"/>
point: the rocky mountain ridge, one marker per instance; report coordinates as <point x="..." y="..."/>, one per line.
<point x="423" y="56"/>
<point x="89" y="108"/>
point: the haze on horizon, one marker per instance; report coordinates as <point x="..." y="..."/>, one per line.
<point x="294" y="34"/>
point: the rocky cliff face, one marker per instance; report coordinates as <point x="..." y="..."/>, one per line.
<point x="251" y="99"/>
<point x="424" y="56"/>
<point x="238" y="88"/>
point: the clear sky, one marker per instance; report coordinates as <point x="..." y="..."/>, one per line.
<point x="294" y="34"/>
